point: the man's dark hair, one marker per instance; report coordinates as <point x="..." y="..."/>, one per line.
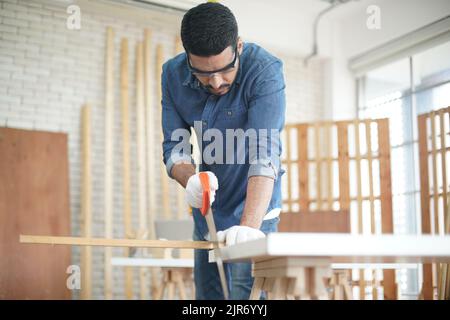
<point x="208" y="29"/>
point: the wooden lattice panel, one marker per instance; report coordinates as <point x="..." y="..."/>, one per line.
<point x="434" y="152"/>
<point x="343" y="165"/>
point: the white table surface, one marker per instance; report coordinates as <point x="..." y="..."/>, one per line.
<point x="344" y="248"/>
<point x="152" y="262"/>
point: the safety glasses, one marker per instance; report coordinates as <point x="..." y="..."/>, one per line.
<point x="208" y="74"/>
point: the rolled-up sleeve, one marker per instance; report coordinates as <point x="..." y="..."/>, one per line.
<point x="267" y="105"/>
<point x="176" y="132"/>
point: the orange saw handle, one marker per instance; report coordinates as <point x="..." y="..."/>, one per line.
<point x="204" y="180"/>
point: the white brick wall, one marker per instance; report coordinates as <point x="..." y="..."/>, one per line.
<point x="48" y="72"/>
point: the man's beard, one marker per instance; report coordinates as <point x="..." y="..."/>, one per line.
<point x="222" y="87"/>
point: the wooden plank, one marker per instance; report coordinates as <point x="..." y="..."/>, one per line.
<point x="328" y="139"/>
<point x="434" y="172"/>
<point x="444" y="269"/>
<point x="86" y="203"/>
<point x="359" y="201"/>
<point x="164" y="177"/>
<point x="150" y="151"/>
<point x="343" y="161"/>
<point x="141" y="163"/>
<point x="126" y="176"/>
<point x="104" y="242"/>
<point x="255" y="294"/>
<point x="303" y="167"/>
<point x="370" y="171"/>
<point x="150" y="131"/>
<point x="289" y="168"/>
<point x="385" y="176"/>
<point x="124" y="103"/>
<point x="318" y="166"/>
<point x="424" y="178"/>
<point x="180" y="285"/>
<point x="317" y="221"/>
<point x="140" y="115"/>
<point x="109" y="134"/>
<point x="446" y="280"/>
<point x="367" y="124"/>
<point x="443" y="132"/>
<point x="435" y="195"/>
<point x="34" y="197"/>
<point x="387" y="223"/>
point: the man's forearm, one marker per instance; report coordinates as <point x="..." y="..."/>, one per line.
<point x="259" y="193"/>
<point x="181" y="172"/>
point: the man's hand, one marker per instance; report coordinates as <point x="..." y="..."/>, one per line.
<point x="239" y="234"/>
<point x="194" y="190"/>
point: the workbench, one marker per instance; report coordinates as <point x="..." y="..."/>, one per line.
<point x="294" y="264"/>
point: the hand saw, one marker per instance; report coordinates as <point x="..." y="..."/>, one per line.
<point x="207" y="213"/>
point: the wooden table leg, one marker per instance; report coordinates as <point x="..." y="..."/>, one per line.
<point x="178" y="279"/>
<point x="257" y="288"/>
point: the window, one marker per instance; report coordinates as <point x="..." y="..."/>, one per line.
<point x="401" y="91"/>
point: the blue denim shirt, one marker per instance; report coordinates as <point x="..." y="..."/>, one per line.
<point x="256" y="100"/>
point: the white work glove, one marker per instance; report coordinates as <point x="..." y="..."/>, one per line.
<point x="194" y="190"/>
<point x="239" y="234"/>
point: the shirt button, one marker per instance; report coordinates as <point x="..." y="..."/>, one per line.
<point x="229" y="113"/>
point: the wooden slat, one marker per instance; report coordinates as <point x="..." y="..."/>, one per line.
<point x="370" y="171"/>
<point x="86" y="203"/>
<point x="140" y="116"/>
<point x="150" y="151"/>
<point x="443" y="132"/>
<point x="366" y="198"/>
<point x="141" y="163"/>
<point x="444" y="268"/>
<point x="367" y="124"/>
<point x="124" y="102"/>
<point x="109" y="122"/>
<point x="105" y="242"/>
<point x="303" y="167"/>
<point x="434" y="172"/>
<point x="446" y="281"/>
<point x="427" y="284"/>
<point x="359" y="201"/>
<point x="343" y="159"/>
<point x="317" y="221"/>
<point x="126" y="177"/>
<point x="387" y="223"/>
<point x="150" y="131"/>
<point x="164" y="178"/>
<point x="289" y="168"/>
<point x="328" y="139"/>
<point x="318" y="165"/>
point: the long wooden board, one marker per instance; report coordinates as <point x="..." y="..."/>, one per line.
<point x="104" y="242"/>
<point x="109" y="151"/>
<point x="86" y="203"/>
<point x="126" y="174"/>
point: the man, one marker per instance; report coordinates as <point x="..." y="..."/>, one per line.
<point x="221" y="86"/>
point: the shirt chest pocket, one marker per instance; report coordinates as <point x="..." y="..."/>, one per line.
<point x="232" y="117"/>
